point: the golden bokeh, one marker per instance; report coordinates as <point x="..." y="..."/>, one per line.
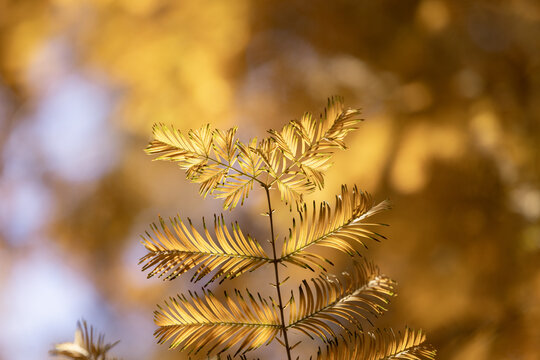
<point x="449" y="92"/>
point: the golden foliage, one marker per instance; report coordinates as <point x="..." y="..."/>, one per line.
<point x="307" y="146"/>
<point x="292" y="160"/>
<point x="317" y="138"/>
<point x="339" y="229"/>
<point x="381" y="345"/>
<point x="85" y="346"/>
<point x="175" y="250"/>
<point x="204" y="322"/>
<point x="209" y="158"/>
<point x="362" y="294"/>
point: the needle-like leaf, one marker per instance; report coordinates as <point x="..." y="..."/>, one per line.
<point x="206" y="323"/>
<point x="340" y="228"/>
<point x="307" y="146"/>
<point x="212" y="158"/>
<point x="330" y="301"/>
<point x="176" y="249"/>
<point x="381" y="345"/>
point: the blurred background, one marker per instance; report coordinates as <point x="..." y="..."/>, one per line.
<point x="450" y="92"/>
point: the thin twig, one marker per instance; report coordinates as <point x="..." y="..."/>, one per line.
<point x="276" y="271"/>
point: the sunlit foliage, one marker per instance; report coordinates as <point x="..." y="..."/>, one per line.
<point x="292" y="161"/>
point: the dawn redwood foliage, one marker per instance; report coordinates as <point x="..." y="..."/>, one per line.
<point x="291" y="161"/>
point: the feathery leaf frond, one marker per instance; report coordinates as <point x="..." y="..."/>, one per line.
<point x="221" y="164"/>
<point x="293" y="188"/>
<point x="234" y="191"/>
<point x="85" y="346"/>
<point x="362" y="294"/>
<point x="292" y="161"/>
<point x="248" y="159"/>
<point x="205" y="323"/>
<point x="287" y="140"/>
<point x="381" y="345"/>
<point x="224" y="145"/>
<point x="177" y="249"/>
<point x="339" y="229"/>
<point x="273" y="159"/>
<point x="308" y="144"/>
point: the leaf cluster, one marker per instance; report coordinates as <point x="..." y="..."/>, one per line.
<point x="87" y="345"/>
<point x="293" y="160"/>
<point x="331" y="308"/>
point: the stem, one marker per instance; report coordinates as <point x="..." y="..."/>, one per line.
<point x="275" y="261"/>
